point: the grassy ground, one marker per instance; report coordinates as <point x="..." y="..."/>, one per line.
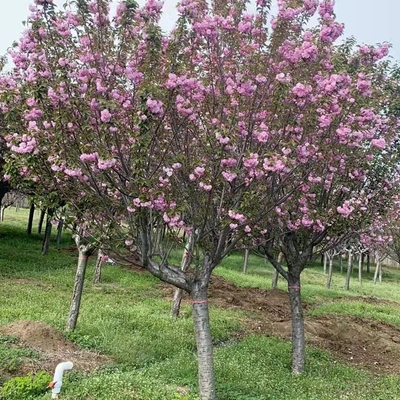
<point x="127" y="318"/>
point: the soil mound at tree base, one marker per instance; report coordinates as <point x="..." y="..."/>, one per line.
<point x="52" y="348"/>
<point x="370" y="344"/>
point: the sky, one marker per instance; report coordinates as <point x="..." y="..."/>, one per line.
<point x="369" y="21"/>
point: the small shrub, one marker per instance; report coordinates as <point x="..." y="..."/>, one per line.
<point x="26" y="387"/>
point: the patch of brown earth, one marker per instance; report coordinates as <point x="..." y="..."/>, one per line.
<point x="52" y="347"/>
<point x="362" y="342"/>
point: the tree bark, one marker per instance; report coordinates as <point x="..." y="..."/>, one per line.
<point x="368" y="262"/>
<point x="350" y="260"/>
<point x="298" y="340"/>
<point x="59" y="231"/>
<point x="275" y="278"/>
<point x="2" y="210"/>
<point x="30" y="219"/>
<point x="47" y="235"/>
<point x="97" y="268"/>
<point x="378" y="270"/>
<point x="341" y="263"/>
<point x="41" y="219"/>
<point x="330" y="273"/>
<point x="84" y="254"/>
<point x="204" y="342"/>
<point x="360" y="269"/>
<point x="185" y="263"/>
<point x="246" y="260"/>
<point x="348" y="275"/>
<point x="325" y="262"/>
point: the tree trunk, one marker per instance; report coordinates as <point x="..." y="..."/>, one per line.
<point x="380" y="272"/>
<point x="59" y="231"/>
<point x="41" y="219"/>
<point x="376" y="271"/>
<point x="2" y="210"/>
<point x="47" y="235"/>
<point x="30" y="219"/>
<point x="275" y="278"/>
<point x="97" y="268"/>
<point x="348" y="275"/>
<point x="360" y="269"/>
<point x="330" y="273"/>
<point x="84" y="254"/>
<point x="368" y="263"/>
<point x="185" y="263"/>
<point x="325" y="263"/>
<point x="246" y="260"/>
<point x="204" y="343"/>
<point x="341" y="263"/>
<point x="298" y="340"/>
<point x="350" y="260"/>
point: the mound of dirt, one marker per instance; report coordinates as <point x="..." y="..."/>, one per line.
<point x="358" y="341"/>
<point x="52" y="347"/>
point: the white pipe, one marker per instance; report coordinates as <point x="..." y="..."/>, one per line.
<point x="57" y="379"/>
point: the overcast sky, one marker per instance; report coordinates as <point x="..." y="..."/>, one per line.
<point x="369" y="21"/>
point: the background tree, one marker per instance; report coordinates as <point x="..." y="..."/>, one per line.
<point x="228" y="131"/>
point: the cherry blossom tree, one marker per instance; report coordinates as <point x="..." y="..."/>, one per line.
<point x="233" y="131"/>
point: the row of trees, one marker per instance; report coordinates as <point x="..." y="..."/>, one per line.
<point x="236" y="128"/>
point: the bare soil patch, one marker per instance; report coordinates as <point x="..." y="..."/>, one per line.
<point x="358" y="341"/>
<point x="52" y="347"/>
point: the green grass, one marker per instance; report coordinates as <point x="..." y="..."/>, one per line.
<point x="127" y="318"/>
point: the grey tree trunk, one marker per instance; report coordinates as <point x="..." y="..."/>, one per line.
<point x="325" y="262"/>
<point x="298" y="340"/>
<point x="377" y="273"/>
<point x="47" y="235"/>
<point x="368" y="262"/>
<point x="348" y="275"/>
<point x="30" y="219"/>
<point x="246" y="260"/>
<point x="185" y="263"/>
<point x="97" y="268"/>
<point x="41" y="219"/>
<point x="330" y="274"/>
<point x="59" y="231"/>
<point x="350" y="260"/>
<point x="275" y="278"/>
<point x="85" y="251"/>
<point x="341" y="263"/>
<point x="204" y="343"/>
<point x="360" y="269"/>
<point x="2" y="210"/>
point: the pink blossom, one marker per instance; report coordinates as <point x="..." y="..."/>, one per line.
<point x="155" y="106"/>
<point x="301" y="90"/>
<point x="199" y="171"/>
<point x="229" y="176"/>
<point x="205" y="187"/>
<point x="346" y="209"/>
<point x="378" y="143"/>
<point x="228" y="162"/>
<point x="237" y="216"/>
<point x="91" y="157"/>
<point x="105" y="115"/>
<point x="251" y="162"/>
<point x="106" y="164"/>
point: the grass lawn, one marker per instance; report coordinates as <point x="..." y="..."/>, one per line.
<point x="126" y="317"/>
